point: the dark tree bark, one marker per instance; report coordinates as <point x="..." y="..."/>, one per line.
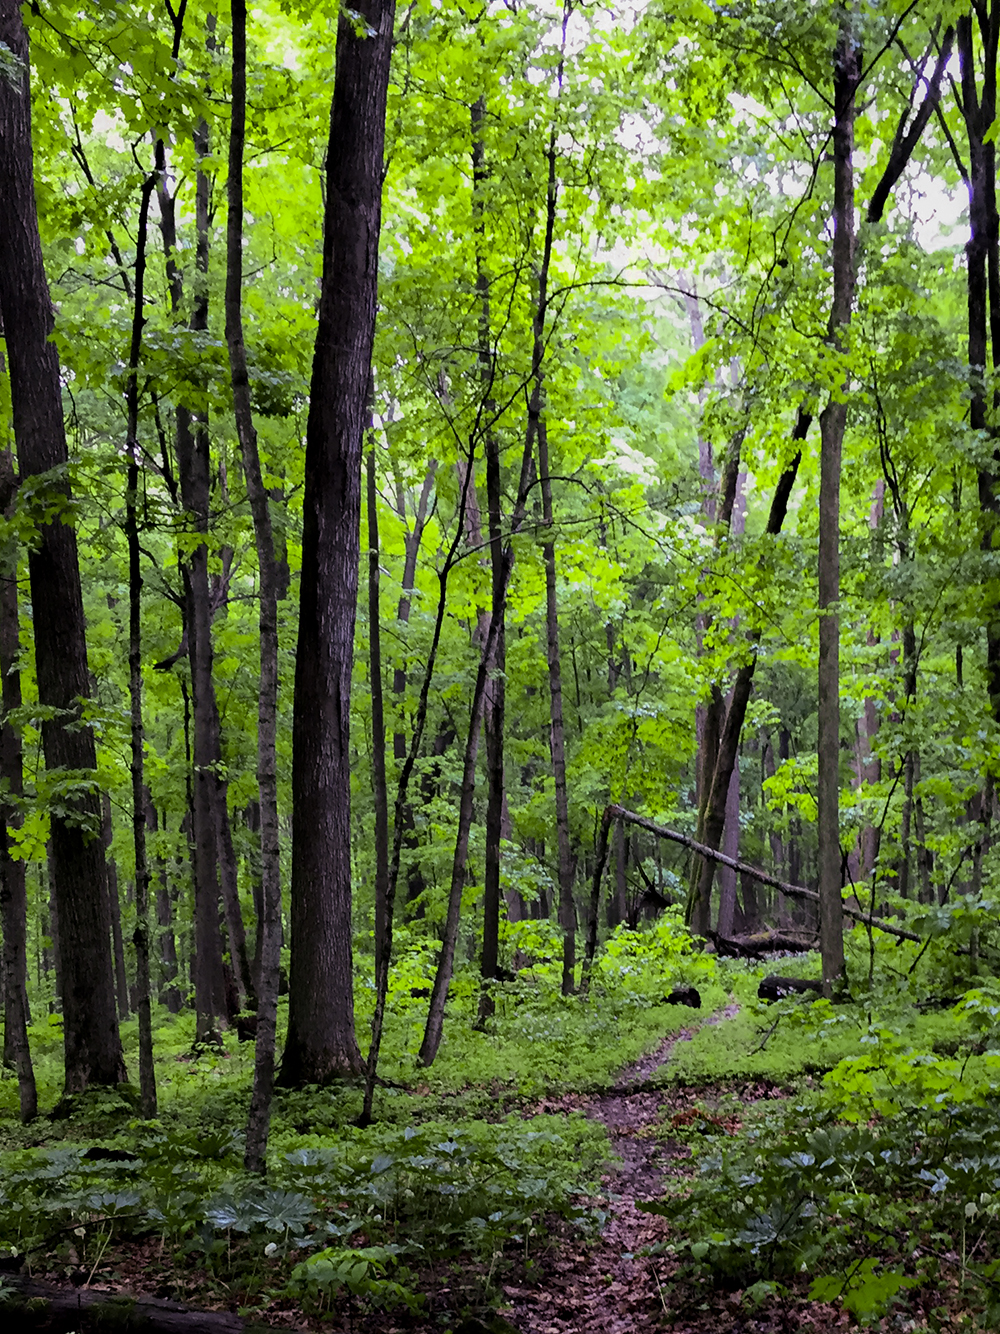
<point x="115" y="910"/>
<point x="833" y="424"/>
<point x="90" y="1025"/>
<point x="147" y="1074"/>
<point x="557" y="736"/>
<point x="13" y="889"/>
<point x="979" y="105"/>
<point x="380" y="794"/>
<point x="167" y="990"/>
<point x="269" y="926"/>
<point x="384" y="900"/>
<point x="496" y="686"/>
<point x="321" y="1044"/>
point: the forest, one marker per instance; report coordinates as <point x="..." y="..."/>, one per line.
<point x="500" y="665"/>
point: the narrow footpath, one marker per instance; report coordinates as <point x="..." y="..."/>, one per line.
<point x="607" y="1287"/>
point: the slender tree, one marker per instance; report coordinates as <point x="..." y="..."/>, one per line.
<point x="147" y="1074"/>
<point x="833" y="423"/>
<point x="13" y="889"/>
<point x="267" y="707"/>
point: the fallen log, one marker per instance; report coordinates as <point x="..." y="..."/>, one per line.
<point x="764" y="942"/>
<point x="793" y="891"/>
<point x="775" y="988"/>
<point x="27" y="1305"/>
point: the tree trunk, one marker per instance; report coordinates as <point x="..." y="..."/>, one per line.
<point x="193" y="466"/>
<point x="384" y="901"/>
<point x="13" y="889"/>
<point x="442" y="978"/>
<point x="90" y="1025"/>
<point x="557" y="737"/>
<point x="167" y="990"/>
<point x="147" y="1075"/>
<point x="833" y="422"/>
<point x="496" y="686"/>
<point x="115" y="910"/>
<point x="269" y="922"/>
<point x="321" y="1043"/>
<point x="731" y="847"/>
<point x="979" y="111"/>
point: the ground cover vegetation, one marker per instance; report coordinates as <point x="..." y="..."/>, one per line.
<point x="500" y="510"/>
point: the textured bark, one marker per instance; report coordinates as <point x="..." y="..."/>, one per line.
<point x="734" y="505"/>
<point x="269" y="579"/>
<point x="496" y="686"/>
<point x="321" y="1043"/>
<point x="90" y="1025"/>
<point x="833" y="423"/>
<point x="384" y="901"/>
<point x="193" y="468"/>
<point x="731" y="847"/>
<point x="557" y="736"/>
<point x="194" y="475"/>
<point x="167" y="990"/>
<point x="13" y="889"/>
<point x="115" y="911"/>
<point x="380" y="795"/>
<point x="979" y="102"/>
<point x="147" y="1075"/>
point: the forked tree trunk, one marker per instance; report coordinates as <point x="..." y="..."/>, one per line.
<point x="321" y="1044"/>
<point x="90" y="1025"/>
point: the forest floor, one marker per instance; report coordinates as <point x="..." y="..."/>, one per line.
<point x="614" y="1286"/>
<point x="664" y="1115"/>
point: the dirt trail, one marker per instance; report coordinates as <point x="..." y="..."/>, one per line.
<point x="606" y="1288"/>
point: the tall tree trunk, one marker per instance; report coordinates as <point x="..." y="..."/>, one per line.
<point x="167" y="990"/>
<point x="269" y="926"/>
<point x="380" y="794"/>
<point x="557" y="739"/>
<point x="115" y="910"/>
<point x="321" y="1043"/>
<point x="442" y="978"/>
<point x="731" y="831"/>
<point x="833" y="422"/>
<point x="193" y="466"/>
<point x="147" y="1075"/>
<point x="195" y="482"/>
<point x="496" y="687"/>
<point x="385" y="897"/>
<point x="13" y="889"/>
<point x="90" y="1025"/>
<point x="979" y="106"/>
